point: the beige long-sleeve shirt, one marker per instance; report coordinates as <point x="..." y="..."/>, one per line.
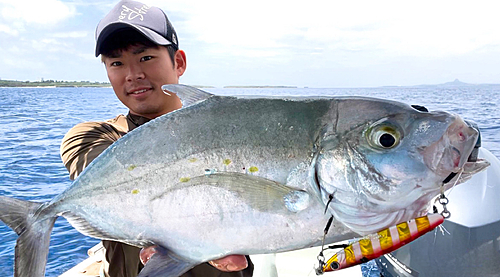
<point x="84" y="142"/>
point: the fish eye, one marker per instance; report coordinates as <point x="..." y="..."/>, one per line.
<point x="384" y="136"/>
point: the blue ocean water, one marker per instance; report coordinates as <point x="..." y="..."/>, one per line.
<point x="34" y="120"/>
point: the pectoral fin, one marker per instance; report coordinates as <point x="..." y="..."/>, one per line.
<point x="258" y="192"/>
<point x="165" y="263"/>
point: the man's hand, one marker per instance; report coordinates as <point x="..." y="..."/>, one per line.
<point x="227" y="264"/>
<point x="230" y="263"/>
<point x="147" y="253"/>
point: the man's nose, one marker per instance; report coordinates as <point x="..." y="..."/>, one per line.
<point x="135" y="72"/>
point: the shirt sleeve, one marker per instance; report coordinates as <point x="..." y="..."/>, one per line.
<point x="84" y="142"/>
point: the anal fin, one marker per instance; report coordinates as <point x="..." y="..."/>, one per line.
<point x="166" y="263"/>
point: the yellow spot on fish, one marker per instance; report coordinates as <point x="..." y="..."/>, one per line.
<point x="253" y="169"/>
<point x="226" y="161"/>
<point x="132" y="167"/>
<point x="135" y="191"/>
<point x="185" y="179"/>
<point x="192" y="160"/>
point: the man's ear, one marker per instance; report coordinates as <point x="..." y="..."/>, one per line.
<point x="180" y="62"/>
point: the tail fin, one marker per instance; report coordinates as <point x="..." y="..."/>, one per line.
<point x="32" y="246"/>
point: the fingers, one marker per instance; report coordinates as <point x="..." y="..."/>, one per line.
<point x="147" y="253"/>
<point x="227" y="264"/>
<point x="230" y="263"/>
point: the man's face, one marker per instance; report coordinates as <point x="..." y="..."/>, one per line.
<point x="137" y="75"/>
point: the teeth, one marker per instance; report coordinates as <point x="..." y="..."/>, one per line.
<point x="139" y="91"/>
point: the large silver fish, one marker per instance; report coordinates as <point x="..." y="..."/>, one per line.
<point x="243" y="175"/>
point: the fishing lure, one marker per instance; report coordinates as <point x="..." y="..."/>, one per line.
<point x="383" y="242"/>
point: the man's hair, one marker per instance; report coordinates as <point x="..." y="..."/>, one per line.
<point x="123" y="39"/>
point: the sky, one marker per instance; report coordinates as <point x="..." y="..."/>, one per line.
<point x="314" y="43"/>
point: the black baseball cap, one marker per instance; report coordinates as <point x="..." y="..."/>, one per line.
<point x="151" y="22"/>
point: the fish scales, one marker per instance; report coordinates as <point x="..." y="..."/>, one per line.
<point x="267" y="134"/>
<point x="299" y="132"/>
<point x="251" y="175"/>
<point x="287" y="153"/>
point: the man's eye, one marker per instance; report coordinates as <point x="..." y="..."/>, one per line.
<point x="146" y="58"/>
<point x="116" y="63"/>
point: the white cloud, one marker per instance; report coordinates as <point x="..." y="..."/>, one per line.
<point x="426" y="28"/>
<point x="51" y="45"/>
<point x="8" y="30"/>
<point x="12" y="64"/>
<point x="320" y="42"/>
<point x="72" y="34"/>
<point x="46" y="12"/>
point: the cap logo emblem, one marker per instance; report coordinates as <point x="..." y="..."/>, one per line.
<point x="131" y="14"/>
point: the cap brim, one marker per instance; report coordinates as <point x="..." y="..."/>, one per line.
<point x="113" y="27"/>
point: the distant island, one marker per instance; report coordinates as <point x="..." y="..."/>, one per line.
<point x="455" y="84"/>
<point x="52" y="83"/>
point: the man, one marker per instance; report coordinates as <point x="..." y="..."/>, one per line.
<point x="139" y="49"/>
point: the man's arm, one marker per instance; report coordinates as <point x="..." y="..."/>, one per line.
<point x="84" y="142"/>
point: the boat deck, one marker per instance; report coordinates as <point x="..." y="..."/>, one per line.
<point x="298" y="263"/>
<point x="90" y="266"/>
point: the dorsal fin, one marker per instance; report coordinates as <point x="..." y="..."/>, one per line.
<point x="188" y="95"/>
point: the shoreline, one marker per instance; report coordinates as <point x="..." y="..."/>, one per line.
<point x="51" y="84"/>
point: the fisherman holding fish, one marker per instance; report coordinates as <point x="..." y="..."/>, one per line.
<point x="139" y="48"/>
<point x="236" y="175"/>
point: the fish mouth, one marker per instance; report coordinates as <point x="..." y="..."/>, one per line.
<point x="464" y="141"/>
<point x="453" y="150"/>
<point x="466" y="172"/>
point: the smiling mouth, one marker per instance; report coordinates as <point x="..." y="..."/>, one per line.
<point x="138" y="91"/>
